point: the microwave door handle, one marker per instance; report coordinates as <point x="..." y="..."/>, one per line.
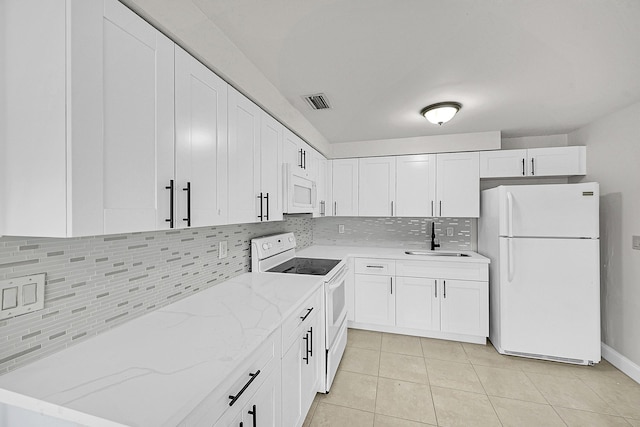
<point x="314" y="194"/>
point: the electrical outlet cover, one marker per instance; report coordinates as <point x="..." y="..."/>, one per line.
<point x="341" y="228"/>
<point x="635" y="242"/>
<point x="222" y="249"/>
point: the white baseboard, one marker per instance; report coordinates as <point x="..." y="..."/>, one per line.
<point x="621" y="362"/>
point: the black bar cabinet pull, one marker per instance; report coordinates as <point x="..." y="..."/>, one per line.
<point x="523" y="173"/>
<point x="171" y="219"/>
<point x="311" y="339"/>
<point x="266" y="217"/>
<point x="188" y="190"/>
<point x="309" y="310"/>
<point x="241" y="424"/>
<point x="260" y="197"/>
<point x="254" y="414"/>
<point x="306" y="347"/>
<point x="440" y="207"/>
<point x="532" y="168"/>
<point x="301" y="167"/>
<point x="444" y="291"/>
<point x="304" y="159"/>
<point x="436" y="290"/>
<point x="237" y="396"/>
<point x="391" y="284"/>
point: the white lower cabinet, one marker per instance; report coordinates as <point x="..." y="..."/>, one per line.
<point x="429" y="298"/>
<point x="302" y="360"/>
<point x="261" y="410"/>
<point x="374" y="299"/>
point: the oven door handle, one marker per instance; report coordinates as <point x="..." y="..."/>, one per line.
<point x="336" y="282"/>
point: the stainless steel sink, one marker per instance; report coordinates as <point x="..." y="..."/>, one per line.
<point x="430" y="253"/>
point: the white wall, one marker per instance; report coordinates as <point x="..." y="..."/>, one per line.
<point x="613" y="159"/>
<point x="186" y="24"/>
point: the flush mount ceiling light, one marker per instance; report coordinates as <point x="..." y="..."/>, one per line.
<point x="441" y="112"/>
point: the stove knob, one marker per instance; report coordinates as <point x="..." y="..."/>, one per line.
<point x="270" y="245"/>
<point x="265" y="246"/>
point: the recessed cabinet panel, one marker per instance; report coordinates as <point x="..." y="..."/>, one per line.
<point x="345" y="187"/>
<point x="377" y="186"/>
<point x="556" y="161"/>
<point x="458" y="185"/>
<point x="465" y="307"/>
<point x="374" y="299"/>
<point x="270" y="168"/>
<point x="201" y="144"/>
<point x="417" y="303"/>
<point x="244" y="159"/>
<point x="503" y="164"/>
<point x="415" y="185"/>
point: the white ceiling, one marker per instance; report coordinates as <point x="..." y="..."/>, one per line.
<point x="534" y="67"/>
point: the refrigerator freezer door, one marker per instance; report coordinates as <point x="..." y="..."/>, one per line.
<point x="550" y="298"/>
<point x="560" y="210"/>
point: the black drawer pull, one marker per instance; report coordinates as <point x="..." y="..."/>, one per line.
<point x="309" y="310"/>
<point x="254" y="414"/>
<point x="237" y="396"/>
<point x="306" y="347"/>
<point x="375" y="266"/>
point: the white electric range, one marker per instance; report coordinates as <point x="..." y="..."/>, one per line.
<point x="276" y="254"/>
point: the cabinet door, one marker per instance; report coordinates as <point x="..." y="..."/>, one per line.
<point x="292" y="151"/>
<point x="321" y="187"/>
<point x="554" y="161"/>
<point x="311" y="363"/>
<point x="138" y="75"/>
<point x="263" y="410"/>
<point x="271" y="167"/>
<point x="244" y="158"/>
<point x="377" y="186"/>
<point x="374" y="299"/>
<point x="292" y="368"/>
<point x="465" y="307"/>
<point x="418" y="303"/>
<point x="458" y="185"/>
<point x="416" y="185"/>
<point x="201" y="144"/>
<point x="503" y="163"/>
<point x="345" y="187"/>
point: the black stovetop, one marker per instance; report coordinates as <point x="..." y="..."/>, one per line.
<point x="313" y="266"/>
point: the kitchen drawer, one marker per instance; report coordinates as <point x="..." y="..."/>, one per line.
<point x="293" y="326"/>
<point x="266" y="359"/>
<point x="381" y="267"/>
<point x="443" y="270"/>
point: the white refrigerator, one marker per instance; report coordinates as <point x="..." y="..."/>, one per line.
<point x="544" y="278"/>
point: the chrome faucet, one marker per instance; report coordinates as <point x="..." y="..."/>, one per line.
<point x="434" y="245"/>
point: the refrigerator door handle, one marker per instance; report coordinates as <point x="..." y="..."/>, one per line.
<point x="509" y="214"/>
<point x="510" y="266"/>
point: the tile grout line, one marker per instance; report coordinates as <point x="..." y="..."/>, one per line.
<point x="487" y="394"/>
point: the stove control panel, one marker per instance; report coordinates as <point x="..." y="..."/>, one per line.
<point x="265" y="247"/>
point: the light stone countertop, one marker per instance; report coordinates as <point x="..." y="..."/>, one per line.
<point x="156" y="369"/>
<point x="341" y="252"/>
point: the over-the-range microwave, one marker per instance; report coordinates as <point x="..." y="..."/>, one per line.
<point x="299" y="191"/>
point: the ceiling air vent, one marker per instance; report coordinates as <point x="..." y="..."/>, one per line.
<point x="317" y="101"/>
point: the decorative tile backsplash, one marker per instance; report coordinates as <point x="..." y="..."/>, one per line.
<point x="396" y="232"/>
<point x="95" y="283"/>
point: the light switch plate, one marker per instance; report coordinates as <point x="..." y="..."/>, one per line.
<point x="449" y="231"/>
<point x="222" y="249"/>
<point x="31" y="287"/>
<point x="635" y="242"/>
<point x="341" y="229"/>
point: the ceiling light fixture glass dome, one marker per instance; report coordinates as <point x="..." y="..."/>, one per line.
<point x="441" y="112"/>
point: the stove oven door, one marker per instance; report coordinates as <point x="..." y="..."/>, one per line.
<point x="336" y="307"/>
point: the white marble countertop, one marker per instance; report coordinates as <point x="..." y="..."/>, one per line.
<point x="341" y="252"/>
<point x="154" y="370"/>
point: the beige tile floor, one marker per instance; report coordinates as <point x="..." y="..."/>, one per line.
<point x="388" y="380"/>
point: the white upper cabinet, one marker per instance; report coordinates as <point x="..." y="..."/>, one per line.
<point x="377" y="186"/>
<point x="503" y="163"/>
<point x="556" y="161"/>
<point x="297" y="153"/>
<point x="345" y="187"/>
<point x="458" y="185"/>
<point x="271" y="191"/>
<point x="415" y="185"/>
<point x="89" y="108"/>
<point x="244" y="159"/>
<point x="551" y="161"/>
<point x="201" y="144"/>
<point x="322" y="195"/>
